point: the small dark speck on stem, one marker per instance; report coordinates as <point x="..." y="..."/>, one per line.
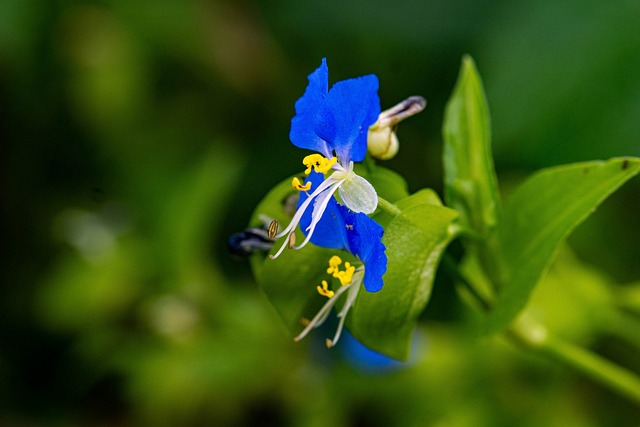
<point x="625" y="164"/>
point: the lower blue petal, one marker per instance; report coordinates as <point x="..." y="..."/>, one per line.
<point x="364" y="239"/>
<point x="364" y="358"/>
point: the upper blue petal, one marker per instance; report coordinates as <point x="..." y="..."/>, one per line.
<point x="351" y="106"/>
<point x="336" y="120"/>
<point x="302" y="132"/>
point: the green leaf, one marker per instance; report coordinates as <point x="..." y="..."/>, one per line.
<point x="424" y="196"/>
<point x="540" y="215"/>
<point x="388" y="184"/>
<point x="290" y="280"/>
<point x="415" y="239"/>
<point x="470" y="182"/>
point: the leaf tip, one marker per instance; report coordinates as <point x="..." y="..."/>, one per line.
<point x="468" y="64"/>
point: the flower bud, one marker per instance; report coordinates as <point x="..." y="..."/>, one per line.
<point x="382" y="141"/>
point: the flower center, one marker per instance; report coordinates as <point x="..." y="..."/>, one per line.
<point x="356" y="193"/>
<point x="341" y="173"/>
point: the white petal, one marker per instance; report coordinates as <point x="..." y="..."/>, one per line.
<point x="358" y="195"/>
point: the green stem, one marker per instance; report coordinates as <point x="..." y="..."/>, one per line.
<point x="450" y="265"/>
<point x="388" y="207"/>
<point x="623" y="325"/>
<point x="596" y="367"/>
<point x="533" y="336"/>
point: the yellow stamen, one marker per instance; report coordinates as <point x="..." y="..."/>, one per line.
<point x="295" y="183"/>
<point x="351" y="290"/>
<point x="334" y="262"/>
<point x="346" y="276"/>
<point x="324" y="290"/>
<point x="318" y="163"/>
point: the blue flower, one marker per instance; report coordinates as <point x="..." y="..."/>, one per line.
<point x="333" y="122"/>
<point x="341" y="228"/>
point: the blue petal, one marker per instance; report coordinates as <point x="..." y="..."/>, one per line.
<point x="330" y="231"/>
<point x="341" y="228"/>
<point x="350" y="107"/>
<point x="303" y="124"/>
<point x="366" y="359"/>
<point x="364" y="239"/>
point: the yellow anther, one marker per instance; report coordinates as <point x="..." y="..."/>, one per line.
<point x="334" y="262"/>
<point x="318" y="163"/>
<point x="346" y="276"/>
<point x="298" y="186"/>
<point x="324" y="290"/>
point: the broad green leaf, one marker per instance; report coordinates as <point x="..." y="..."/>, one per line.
<point x="424" y="196"/>
<point x="387" y="183"/>
<point x="470" y="182"/>
<point x="540" y="215"/>
<point x="415" y="240"/>
<point x="290" y="280"/>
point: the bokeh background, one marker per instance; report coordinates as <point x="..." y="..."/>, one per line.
<point x="138" y="135"/>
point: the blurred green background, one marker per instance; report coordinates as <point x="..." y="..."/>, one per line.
<point x="138" y="135"/>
